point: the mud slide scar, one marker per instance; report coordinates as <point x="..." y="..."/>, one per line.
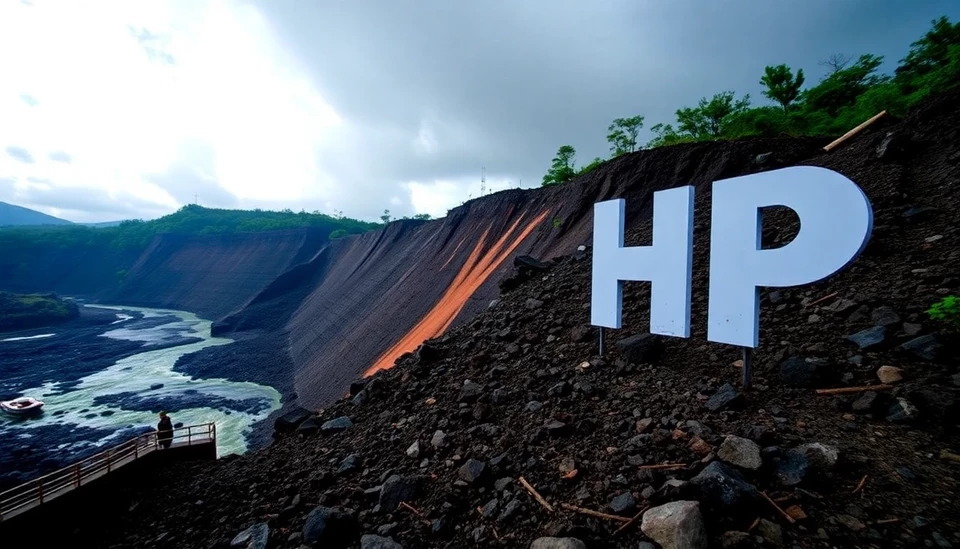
<point x="475" y="271"/>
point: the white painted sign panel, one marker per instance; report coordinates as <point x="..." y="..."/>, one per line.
<point x="836" y="220"/>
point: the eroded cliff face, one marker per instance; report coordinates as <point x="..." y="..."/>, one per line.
<point x="376" y="296"/>
<point x="213" y="275"/>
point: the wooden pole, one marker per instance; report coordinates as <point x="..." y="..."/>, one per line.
<point x="843" y="138"/>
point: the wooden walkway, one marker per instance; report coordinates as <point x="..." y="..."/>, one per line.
<point x="36" y="492"/>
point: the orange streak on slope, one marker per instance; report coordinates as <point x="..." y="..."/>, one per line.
<point x="454" y="254"/>
<point x="475" y="271"/>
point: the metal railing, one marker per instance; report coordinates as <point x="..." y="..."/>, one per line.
<point x="43" y="489"/>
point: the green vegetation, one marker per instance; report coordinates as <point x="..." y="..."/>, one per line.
<point x="23" y="311"/>
<point x="946" y="310"/>
<point x="556" y="222"/>
<point x="849" y="94"/>
<point x="190" y="220"/>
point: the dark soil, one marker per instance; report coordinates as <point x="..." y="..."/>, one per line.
<point x="610" y="415"/>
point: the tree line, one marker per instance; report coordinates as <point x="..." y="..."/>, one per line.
<point x="850" y="92"/>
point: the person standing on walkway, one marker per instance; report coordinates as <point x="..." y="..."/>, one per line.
<point x="165" y="430"/>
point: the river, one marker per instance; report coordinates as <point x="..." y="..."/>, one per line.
<point x="109" y="401"/>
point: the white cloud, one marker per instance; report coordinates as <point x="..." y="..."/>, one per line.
<point x="124" y="114"/>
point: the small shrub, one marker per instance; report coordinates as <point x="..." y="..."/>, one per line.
<point x="556" y="222"/>
<point x="946" y="310"/>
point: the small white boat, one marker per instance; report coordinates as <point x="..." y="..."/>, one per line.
<point x="21" y="406"/>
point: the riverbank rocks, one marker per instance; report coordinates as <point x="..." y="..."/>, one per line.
<point x="289" y="421"/>
<point x="676" y="525"/>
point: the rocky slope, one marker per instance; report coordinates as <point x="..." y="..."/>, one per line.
<point x="438" y="450"/>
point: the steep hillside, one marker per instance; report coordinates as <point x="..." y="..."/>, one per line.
<point x="518" y="395"/>
<point x="11" y="214"/>
<point x="213" y="275"/>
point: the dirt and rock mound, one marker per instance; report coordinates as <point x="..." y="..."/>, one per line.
<point x="511" y="431"/>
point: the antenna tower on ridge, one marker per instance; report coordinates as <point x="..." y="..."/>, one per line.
<point x="483" y="181"/>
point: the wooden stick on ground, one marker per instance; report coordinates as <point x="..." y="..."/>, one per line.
<point x="887" y="521"/>
<point x="783" y="513"/>
<point x="843" y="138"/>
<point x="860" y="485"/>
<point x="849" y="390"/>
<point x="662" y="466"/>
<point x="633" y="520"/>
<point x="536" y="495"/>
<point x="949" y="456"/>
<point x="415" y="511"/>
<point x="754" y="525"/>
<point x="822" y="299"/>
<point x="593" y="513"/>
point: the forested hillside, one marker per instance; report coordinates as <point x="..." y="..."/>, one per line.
<point x="852" y="91"/>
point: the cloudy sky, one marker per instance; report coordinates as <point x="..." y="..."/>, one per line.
<point x="116" y="109"/>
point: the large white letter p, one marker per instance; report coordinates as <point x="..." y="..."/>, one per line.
<point x="835" y="224"/>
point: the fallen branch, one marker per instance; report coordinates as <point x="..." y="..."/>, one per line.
<point x="593" y="513"/>
<point x="843" y="138"/>
<point x="859" y="487"/>
<point x="783" y="513"/>
<point x="849" y="390"/>
<point x="754" y="525"/>
<point x="415" y="511"/>
<point x="949" y="456"/>
<point x="633" y="520"/>
<point x="662" y="466"/>
<point x="536" y="495"/>
<point x="887" y="521"/>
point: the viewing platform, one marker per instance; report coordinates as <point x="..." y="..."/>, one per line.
<point x="192" y="442"/>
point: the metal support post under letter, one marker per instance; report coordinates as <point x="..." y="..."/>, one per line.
<point x="601" y="340"/>
<point x="747" y="360"/>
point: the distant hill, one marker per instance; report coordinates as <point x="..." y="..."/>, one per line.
<point x="11" y="214"/>
<point x="102" y="224"/>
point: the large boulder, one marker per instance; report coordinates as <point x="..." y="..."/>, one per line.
<point x="641" y="348"/>
<point x="557" y="543"/>
<point x="288" y="422"/>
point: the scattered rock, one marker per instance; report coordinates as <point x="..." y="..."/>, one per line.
<point x="255" y="537"/>
<point x="472" y="471"/>
<point x="870" y="338"/>
<point x="821" y="457"/>
<point x="623" y="503"/>
<point x="414" y="450"/>
<point x="902" y="411"/>
<point x="369" y="541"/>
<point x="470" y="391"/>
<point x="924" y="347"/>
<point x="439" y="440"/>
<point x="289" y="421"/>
<point x="397" y="489"/>
<point x="533" y="303"/>
<point x="328" y="527"/>
<point x="641" y="348"/>
<point x="889" y="374"/>
<point x="336" y="425"/>
<point x="806" y="373"/>
<point x="771" y="532"/>
<point x="885" y="316"/>
<point x="791" y="467"/>
<point x="557" y="543"/>
<point x="725" y="397"/>
<point x="676" y="525"/>
<point x="742" y="452"/>
<point x="349" y="464"/>
<point x="724" y="488"/>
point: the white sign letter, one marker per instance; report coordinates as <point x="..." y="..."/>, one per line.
<point x="667" y="264"/>
<point x="835" y="224"/>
